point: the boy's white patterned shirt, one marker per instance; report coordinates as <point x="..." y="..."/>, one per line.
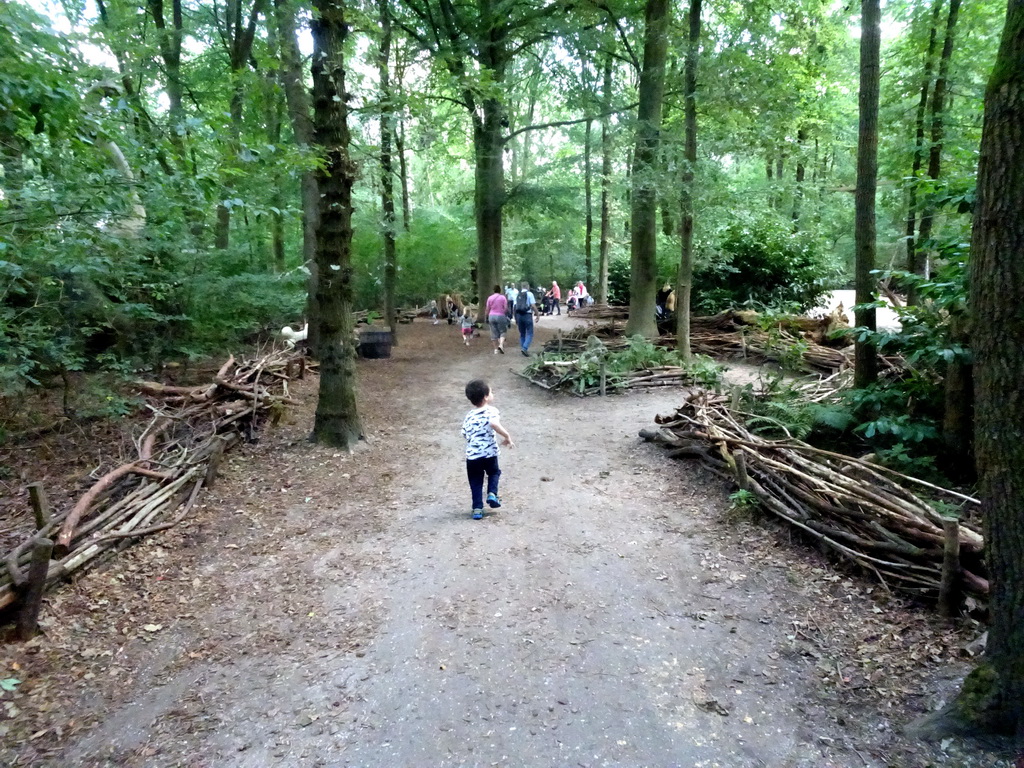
<point x="479" y="434"/>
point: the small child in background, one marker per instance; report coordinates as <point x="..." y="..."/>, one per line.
<point x="434" y="310"/>
<point x="479" y="428"/>
<point x="466" y="324"/>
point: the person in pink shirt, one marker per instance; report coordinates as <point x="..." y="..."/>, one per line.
<point x="555" y="294"/>
<point x="497" y="318"/>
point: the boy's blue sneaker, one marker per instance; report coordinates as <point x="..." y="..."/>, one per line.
<point x="493" y="501"/>
<point x="478" y="514"/>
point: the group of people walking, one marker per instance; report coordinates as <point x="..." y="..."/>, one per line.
<point x="520" y="305"/>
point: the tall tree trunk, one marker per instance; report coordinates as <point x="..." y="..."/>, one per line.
<point x="274" y="106"/>
<point x="643" y="286"/>
<point x="238" y="39"/>
<point x="684" y="281"/>
<point x="387" y="174"/>
<point x="337" y="420"/>
<point x="297" y="98"/>
<point x="489" y="196"/>
<point x="993" y="695"/>
<point x="801" y="170"/>
<point x="915" y="263"/>
<point x="958" y="407"/>
<point x="403" y="168"/>
<point x="488" y="146"/>
<point x="924" y="232"/>
<point x="169" y="42"/>
<point x="606" y="184"/>
<point x="403" y="173"/>
<point x="865" y="360"/>
<point x="780" y="166"/>
<point x="588" y="238"/>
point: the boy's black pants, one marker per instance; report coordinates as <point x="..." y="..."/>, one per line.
<point x="475" y="470"/>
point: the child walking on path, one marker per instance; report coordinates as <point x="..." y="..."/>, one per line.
<point x="466" y="326"/>
<point x="479" y="428"/>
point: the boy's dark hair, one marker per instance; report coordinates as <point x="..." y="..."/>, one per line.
<point x="476" y="391"/>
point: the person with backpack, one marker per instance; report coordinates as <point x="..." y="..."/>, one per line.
<point x="525" y="308"/>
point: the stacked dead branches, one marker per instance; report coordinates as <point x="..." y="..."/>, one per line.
<point x="866" y="513"/>
<point x="569" y="376"/>
<point x="729" y="335"/>
<point x="175" y="457"/>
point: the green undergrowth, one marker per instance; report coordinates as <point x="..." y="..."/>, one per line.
<point x="849" y="421"/>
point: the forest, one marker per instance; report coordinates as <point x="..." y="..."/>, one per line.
<point x="180" y="178"/>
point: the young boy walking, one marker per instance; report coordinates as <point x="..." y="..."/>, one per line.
<point x="479" y="428"/>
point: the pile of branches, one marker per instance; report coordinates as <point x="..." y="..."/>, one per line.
<point x="731" y="335"/>
<point x="176" y="456"/>
<point x="602" y="312"/>
<point x="598" y="368"/>
<point x="583" y="380"/>
<point x="864" y="512"/>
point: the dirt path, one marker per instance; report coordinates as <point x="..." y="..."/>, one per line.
<point x="343" y="610"/>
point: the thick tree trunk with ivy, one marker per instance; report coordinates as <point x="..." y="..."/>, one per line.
<point x="643" y="285"/>
<point x="865" y="356"/>
<point x="606" y="185"/>
<point x="684" y="281"/>
<point x="337" y="420"/>
<point x="937" y="119"/>
<point x="992" y="698"/>
<point x="387" y="174"/>
<point x="915" y="262"/>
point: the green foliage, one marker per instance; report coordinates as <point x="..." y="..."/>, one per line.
<point x="764" y="264"/>
<point x="618" y="281"/>
<point x="744" y="501"/>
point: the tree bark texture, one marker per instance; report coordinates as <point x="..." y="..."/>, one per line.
<point x="684" y="281"/>
<point x="997" y="307"/>
<point x="337" y="420"/>
<point x="865" y="357"/>
<point x="588" y="237"/>
<point x="643" y="285"/>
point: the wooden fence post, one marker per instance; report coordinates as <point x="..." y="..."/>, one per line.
<point x="949" y="591"/>
<point x="40" y="505"/>
<point x="32" y="597"/>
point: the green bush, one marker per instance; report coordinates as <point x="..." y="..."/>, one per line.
<point x="764" y="264"/>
